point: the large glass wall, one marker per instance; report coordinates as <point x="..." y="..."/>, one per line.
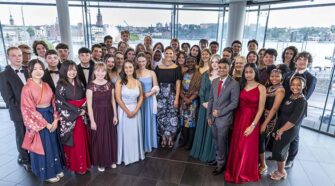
<point x="288" y="27"/>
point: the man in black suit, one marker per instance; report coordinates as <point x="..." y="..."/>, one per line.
<point x="303" y="60"/>
<point x="86" y="66"/>
<point x="51" y="74"/>
<point x="11" y="82"/>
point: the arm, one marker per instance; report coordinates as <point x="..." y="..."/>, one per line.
<point x="234" y="98"/>
<point x="210" y="104"/>
<point x="118" y="97"/>
<point x="114" y="107"/>
<point x="154" y="84"/>
<point x="280" y="94"/>
<point x="261" y="104"/>
<point x="295" y="118"/>
<point x="7" y="92"/>
<point x="89" y="95"/>
<point x="311" y="87"/>
<point x="32" y="119"/>
<point x="70" y="112"/>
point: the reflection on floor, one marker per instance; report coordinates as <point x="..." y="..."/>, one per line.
<point x="315" y="165"/>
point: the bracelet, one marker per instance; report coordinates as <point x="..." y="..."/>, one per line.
<point x="253" y="124"/>
<point x="278" y="132"/>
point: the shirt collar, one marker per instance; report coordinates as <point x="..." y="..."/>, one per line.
<point x="301" y="71"/>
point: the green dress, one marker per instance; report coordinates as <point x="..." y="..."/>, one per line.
<point x="203" y="145"/>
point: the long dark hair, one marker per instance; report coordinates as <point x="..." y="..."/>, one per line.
<point x="123" y="75"/>
<point x="292" y="62"/>
<point x="255" y="69"/>
<point x="199" y="53"/>
<point x="32" y="64"/>
<point x="65" y="67"/>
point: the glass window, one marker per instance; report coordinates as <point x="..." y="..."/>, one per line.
<point x="289" y="27"/>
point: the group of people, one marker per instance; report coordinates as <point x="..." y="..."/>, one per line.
<point x="119" y="103"/>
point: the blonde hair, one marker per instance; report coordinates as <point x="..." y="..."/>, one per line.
<point x="98" y="66"/>
<point x="215" y="56"/>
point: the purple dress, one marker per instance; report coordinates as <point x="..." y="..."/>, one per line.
<point x="103" y="140"/>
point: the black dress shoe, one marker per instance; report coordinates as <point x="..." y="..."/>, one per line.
<point x="212" y="163"/>
<point x="217" y="171"/>
<point x="19" y="161"/>
<point x="27" y="167"/>
<point x="288" y="164"/>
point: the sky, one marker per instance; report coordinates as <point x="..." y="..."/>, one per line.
<point x="318" y="17"/>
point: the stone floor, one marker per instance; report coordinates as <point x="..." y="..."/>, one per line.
<point x="315" y="165"/>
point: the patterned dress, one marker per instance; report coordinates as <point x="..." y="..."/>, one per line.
<point x="188" y="113"/>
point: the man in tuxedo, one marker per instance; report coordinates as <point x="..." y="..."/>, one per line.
<point x="11" y="82"/>
<point x="63" y="53"/>
<point x="26" y="54"/>
<point x="86" y="66"/>
<point x="51" y="73"/>
<point x="96" y="55"/>
<point x="302" y="61"/>
<point x="223" y="99"/>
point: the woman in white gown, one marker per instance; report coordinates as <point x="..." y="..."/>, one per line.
<point x="129" y="97"/>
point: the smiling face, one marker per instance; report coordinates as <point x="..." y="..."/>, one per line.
<point x="71" y="73"/>
<point x="63" y="53"/>
<point x="100" y="73"/>
<point x="205" y="56"/>
<point x="214" y="48"/>
<point x="37" y="72"/>
<point x="191" y="63"/>
<point x="276" y="77"/>
<point x="109" y="43"/>
<point x="141" y="62"/>
<point x="301" y="63"/>
<point x="15" y="57"/>
<point x="268" y="59"/>
<point x="223" y="69"/>
<point x="215" y="63"/>
<point x="288" y="55"/>
<point x="237" y="48"/>
<point x="125" y="37"/>
<point x="181" y="59"/>
<point x="41" y="50"/>
<point x="252" y="47"/>
<point x="252" y="58"/>
<point x="239" y="64"/>
<point x="131" y="55"/>
<point x="194" y="51"/>
<point x="52" y="60"/>
<point x="226" y="55"/>
<point x="129" y="68"/>
<point x="110" y="63"/>
<point x="168" y="55"/>
<point x="97" y="53"/>
<point x="119" y="60"/>
<point x="84" y="58"/>
<point x="296" y="86"/>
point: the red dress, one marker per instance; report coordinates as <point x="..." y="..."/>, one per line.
<point x="242" y="163"/>
<point x="77" y="157"/>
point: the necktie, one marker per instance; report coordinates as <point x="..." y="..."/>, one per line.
<point x="17" y="71"/>
<point x="220" y="87"/>
<point x="53" y="72"/>
<point x="85" y="68"/>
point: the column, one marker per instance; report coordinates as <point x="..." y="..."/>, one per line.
<point x="236" y="19"/>
<point x="64" y="24"/>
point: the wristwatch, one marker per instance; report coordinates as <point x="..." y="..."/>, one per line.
<point x="278" y="132"/>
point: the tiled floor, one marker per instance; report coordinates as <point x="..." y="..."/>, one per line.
<point x="315" y="165"/>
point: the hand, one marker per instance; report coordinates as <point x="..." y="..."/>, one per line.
<point x="210" y="122"/>
<point x="115" y="120"/>
<point x="215" y="113"/>
<point x="278" y="135"/>
<point x="188" y="101"/>
<point x="49" y="126"/>
<point x="263" y="128"/>
<point x="83" y="112"/>
<point x="93" y="125"/>
<point x="175" y="103"/>
<point x="249" y="130"/>
<point x="54" y="125"/>
<point x="130" y="114"/>
<point x="205" y="104"/>
<point x="147" y="94"/>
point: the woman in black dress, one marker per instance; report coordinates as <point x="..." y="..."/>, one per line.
<point x="169" y="77"/>
<point x="291" y="114"/>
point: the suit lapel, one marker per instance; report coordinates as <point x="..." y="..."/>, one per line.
<point x="12" y="74"/>
<point x="223" y="89"/>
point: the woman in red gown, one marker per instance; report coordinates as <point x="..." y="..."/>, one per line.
<point x="242" y="164"/>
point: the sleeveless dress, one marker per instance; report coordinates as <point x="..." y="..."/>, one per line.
<point x="148" y="118"/>
<point x="242" y="164"/>
<point x="103" y="140"/>
<point x="129" y="136"/>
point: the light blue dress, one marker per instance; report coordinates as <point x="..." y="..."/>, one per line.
<point x="148" y="118"/>
<point x="129" y="130"/>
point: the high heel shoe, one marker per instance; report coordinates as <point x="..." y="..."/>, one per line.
<point x="276" y="175"/>
<point x="263" y="170"/>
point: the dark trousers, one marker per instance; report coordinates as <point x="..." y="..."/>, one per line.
<point x="20" y="130"/>
<point x="220" y="138"/>
<point x="293" y="150"/>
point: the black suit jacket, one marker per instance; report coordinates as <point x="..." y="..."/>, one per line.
<point x="11" y="87"/>
<point x="310" y="83"/>
<point x="48" y="79"/>
<point x="81" y="74"/>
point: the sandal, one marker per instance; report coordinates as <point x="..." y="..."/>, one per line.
<point x="276" y="175"/>
<point x="171" y="144"/>
<point x="163" y="143"/>
<point x="263" y="170"/>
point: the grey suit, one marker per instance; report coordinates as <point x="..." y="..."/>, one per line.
<point x="225" y="104"/>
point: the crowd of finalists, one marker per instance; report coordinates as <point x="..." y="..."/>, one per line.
<point x="120" y="103"/>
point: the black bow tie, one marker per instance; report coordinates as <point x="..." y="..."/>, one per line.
<point x="85" y="68"/>
<point x="17" y="71"/>
<point x="53" y="72"/>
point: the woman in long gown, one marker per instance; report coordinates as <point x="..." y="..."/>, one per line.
<point x="169" y="77"/>
<point x="203" y="146"/>
<point x="71" y="104"/>
<point x="101" y="108"/>
<point x="41" y="120"/>
<point x="129" y="96"/>
<point x="149" y="108"/>
<point x="242" y="164"/>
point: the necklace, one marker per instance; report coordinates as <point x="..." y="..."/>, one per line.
<point x="167" y="65"/>
<point x="273" y="88"/>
